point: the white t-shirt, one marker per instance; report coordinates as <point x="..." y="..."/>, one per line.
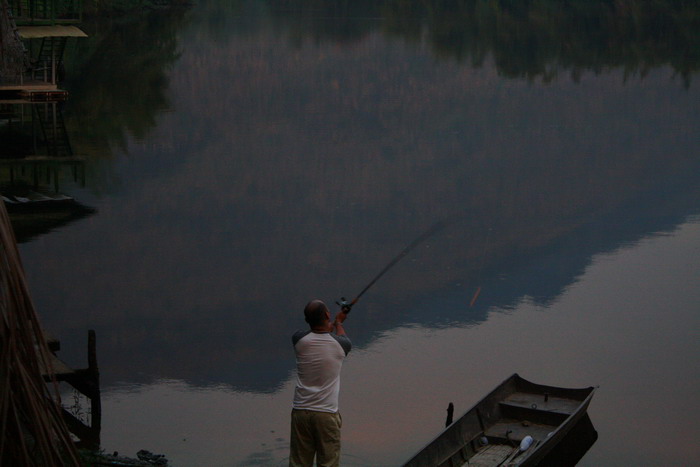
<point x="319" y="359"/>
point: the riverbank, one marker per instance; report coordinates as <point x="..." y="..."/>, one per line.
<point x="143" y="458"/>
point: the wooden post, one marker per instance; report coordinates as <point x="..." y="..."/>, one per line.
<point x="53" y="61"/>
<point x="95" y="399"/>
<point x="450" y="413"/>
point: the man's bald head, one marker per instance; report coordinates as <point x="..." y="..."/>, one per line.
<point x="315" y="313"/>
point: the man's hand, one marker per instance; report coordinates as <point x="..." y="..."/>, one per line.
<point x="338" y="323"/>
<point x="341" y="316"/>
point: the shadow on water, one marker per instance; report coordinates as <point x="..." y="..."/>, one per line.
<point x="573" y="446"/>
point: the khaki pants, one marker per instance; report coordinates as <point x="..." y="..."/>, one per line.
<point x="315" y="433"/>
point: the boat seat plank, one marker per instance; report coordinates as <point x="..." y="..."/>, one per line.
<point x="537" y="402"/>
<point x="491" y="455"/>
<point x="518" y="430"/>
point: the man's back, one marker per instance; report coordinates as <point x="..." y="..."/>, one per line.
<point x="319" y="360"/>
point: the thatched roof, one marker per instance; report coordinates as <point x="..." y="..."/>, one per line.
<point x="32" y="430"/>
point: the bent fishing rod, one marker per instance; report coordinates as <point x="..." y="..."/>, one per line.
<point x="347" y="306"/>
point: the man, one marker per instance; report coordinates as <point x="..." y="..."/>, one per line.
<point x="316" y="422"/>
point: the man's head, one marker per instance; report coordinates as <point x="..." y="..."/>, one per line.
<point x="316" y="313"/>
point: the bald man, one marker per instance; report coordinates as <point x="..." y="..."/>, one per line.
<point x="320" y="351"/>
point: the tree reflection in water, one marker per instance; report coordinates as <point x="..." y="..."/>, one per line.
<point x="272" y="151"/>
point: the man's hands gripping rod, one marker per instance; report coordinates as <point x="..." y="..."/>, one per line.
<point x="340" y="317"/>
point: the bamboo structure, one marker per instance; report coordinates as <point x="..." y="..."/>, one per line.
<point x="32" y="429"/>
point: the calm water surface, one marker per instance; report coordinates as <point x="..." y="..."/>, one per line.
<point x="244" y="160"/>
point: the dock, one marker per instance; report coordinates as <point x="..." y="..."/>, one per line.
<point x="37" y="32"/>
<point x="87" y="382"/>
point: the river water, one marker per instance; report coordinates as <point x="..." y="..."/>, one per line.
<point x="243" y="158"/>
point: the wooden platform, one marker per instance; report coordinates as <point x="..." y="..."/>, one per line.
<point x="57" y="30"/>
<point x="59" y="368"/>
<point x="29" y="86"/>
<point x="30" y="92"/>
<point x="85" y="381"/>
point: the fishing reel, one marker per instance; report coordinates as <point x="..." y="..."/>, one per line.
<point x="344" y="305"/>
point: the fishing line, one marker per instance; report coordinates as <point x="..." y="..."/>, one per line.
<point x="435" y="228"/>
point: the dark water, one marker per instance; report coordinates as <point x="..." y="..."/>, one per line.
<point x="244" y="157"/>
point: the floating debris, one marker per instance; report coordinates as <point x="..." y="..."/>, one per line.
<point x="476" y="295"/>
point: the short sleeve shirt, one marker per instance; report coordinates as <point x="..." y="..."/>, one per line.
<point x="319" y="360"/>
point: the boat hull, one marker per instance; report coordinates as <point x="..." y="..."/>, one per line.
<point x="514" y="410"/>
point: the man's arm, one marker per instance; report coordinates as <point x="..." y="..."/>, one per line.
<point x="338" y="323"/>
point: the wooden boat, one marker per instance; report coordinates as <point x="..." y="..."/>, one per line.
<point x="517" y="424"/>
<point x="35" y="213"/>
<point x="34" y="200"/>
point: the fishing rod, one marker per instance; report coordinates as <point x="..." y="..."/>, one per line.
<point x="347" y="306"/>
